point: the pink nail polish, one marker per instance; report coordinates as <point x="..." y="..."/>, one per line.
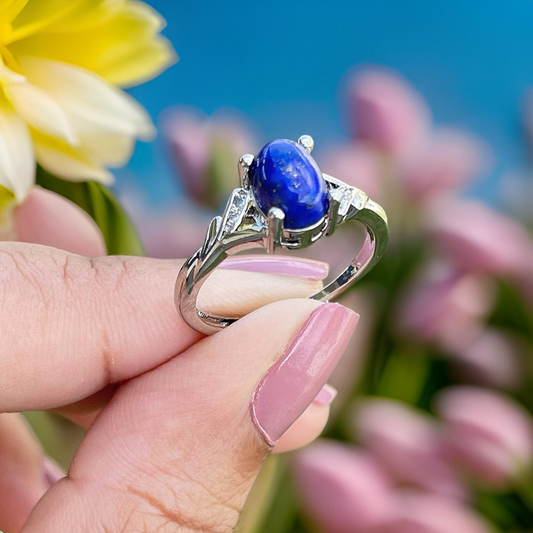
<point x="297" y="377"/>
<point x="326" y="395"/>
<point x="303" y="268"/>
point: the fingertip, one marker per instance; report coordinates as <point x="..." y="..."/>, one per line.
<point x="49" y="219"/>
<point x="305" y="430"/>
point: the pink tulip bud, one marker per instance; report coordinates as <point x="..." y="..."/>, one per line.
<point x="49" y="219"/>
<point x="477" y="238"/>
<point x="426" y="513"/>
<point x="492" y="358"/>
<point x="445" y="306"/>
<point x="408" y="445"/>
<point x="490" y="435"/>
<point x="188" y="135"/>
<point x="205" y="151"/>
<point x="387" y="111"/>
<point x="447" y="160"/>
<point x="342" y="488"/>
<point x="357" y="165"/>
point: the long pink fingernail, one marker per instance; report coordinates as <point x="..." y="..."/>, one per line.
<point x="303" y="268"/>
<point x="296" y="378"/>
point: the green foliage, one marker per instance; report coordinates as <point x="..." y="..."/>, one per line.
<point x="98" y="201"/>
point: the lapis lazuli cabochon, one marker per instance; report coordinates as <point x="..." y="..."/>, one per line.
<point x="284" y="175"/>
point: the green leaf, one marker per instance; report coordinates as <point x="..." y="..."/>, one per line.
<point x="261" y="496"/>
<point x="98" y="201"/>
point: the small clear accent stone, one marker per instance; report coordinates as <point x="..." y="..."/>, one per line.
<point x="359" y="201"/>
<point x="345" y="201"/>
<point x="236" y="211"/>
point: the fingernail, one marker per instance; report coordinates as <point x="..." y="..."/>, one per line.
<point x="52" y="472"/>
<point x="297" y="377"/>
<point x="326" y="395"/>
<point x="302" y="268"/>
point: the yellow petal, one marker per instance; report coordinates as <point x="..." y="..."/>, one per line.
<point x="17" y="161"/>
<point x="37" y="15"/>
<point x="91" y="104"/>
<point x="9" y="9"/>
<point x="8" y="75"/>
<point x="87" y="15"/>
<point x="67" y="162"/>
<point x="114" y="45"/>
<point x="110" y="150"/>
<point x="139" y="64"/>
<point x="40" y="110"/>
<point x="7" y="207"/>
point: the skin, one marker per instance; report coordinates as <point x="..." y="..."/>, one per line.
<point x="171" y="446"/>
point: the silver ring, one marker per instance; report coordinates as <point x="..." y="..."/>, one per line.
<point x="245" y="225"/>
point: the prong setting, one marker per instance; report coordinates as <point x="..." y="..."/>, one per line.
<point x="307" y="142"/>
<point x="247" y="223"/>
<point x="276" y="218"/>
<point x="333" y="215"/>
<point x="245" y="162"/>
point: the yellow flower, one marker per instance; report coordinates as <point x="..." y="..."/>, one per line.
<point x="60" y="64"/>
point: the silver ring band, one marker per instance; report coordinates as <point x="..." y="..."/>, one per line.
<point x="243" y="227"/>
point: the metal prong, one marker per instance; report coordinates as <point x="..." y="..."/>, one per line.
<point x="245" y="163"/>
<point x="276" y="218"/>
<point x="307" y="142"/>
<point x="333" y="214"/>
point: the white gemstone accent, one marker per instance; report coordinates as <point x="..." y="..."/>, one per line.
<point x="345" y="201"/>
<point x="360" y="201"/>
<point x="236" y="211"/>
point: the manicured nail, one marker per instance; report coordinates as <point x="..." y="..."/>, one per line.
<point x="326" y="395"/>
<point x="297" y="377"/>
<point x="52" y="472"/>
<point x="302" y="268"/>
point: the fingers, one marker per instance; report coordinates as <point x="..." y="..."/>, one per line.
<point x="22" y="472"/>
<point x="47" y="218"/>
<point x="180" y="446"/>
<point x="75" y="325"/>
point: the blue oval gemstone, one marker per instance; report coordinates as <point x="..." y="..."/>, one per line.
<point x="284" y="175"/>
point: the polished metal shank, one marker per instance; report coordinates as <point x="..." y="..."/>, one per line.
<point x="244" y="227"/>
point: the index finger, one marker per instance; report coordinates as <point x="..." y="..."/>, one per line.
<point x="71" y="325"/>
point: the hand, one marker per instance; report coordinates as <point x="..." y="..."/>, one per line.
<point x="178" y="424"/>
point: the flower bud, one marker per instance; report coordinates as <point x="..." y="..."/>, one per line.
<point x="387" y="111"/>
<point x="342" y="488"/>
<point x="358" y="165"/>
<point x="447" y="160"/>
<point x="477" y="238"/>
<point x="445" y="306"/>
<point x="426" y="513"/>
<point x="490" y="435"/>
<point x="408" y="445"/>
<point x="205" y="152"/>
<point x="492" y="358"/>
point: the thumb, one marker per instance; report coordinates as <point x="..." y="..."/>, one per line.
<point x="179" y="447"/>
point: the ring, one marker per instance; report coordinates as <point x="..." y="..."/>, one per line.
<point x="286" y="202"/>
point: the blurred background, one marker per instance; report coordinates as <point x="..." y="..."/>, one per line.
<point x="425" y="106"/>
<point x="281" y="64"/>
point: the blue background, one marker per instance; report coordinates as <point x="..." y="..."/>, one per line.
<point x="281" y="63"/>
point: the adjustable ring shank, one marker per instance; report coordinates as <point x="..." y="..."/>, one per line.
<point x="220" y="244"/>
